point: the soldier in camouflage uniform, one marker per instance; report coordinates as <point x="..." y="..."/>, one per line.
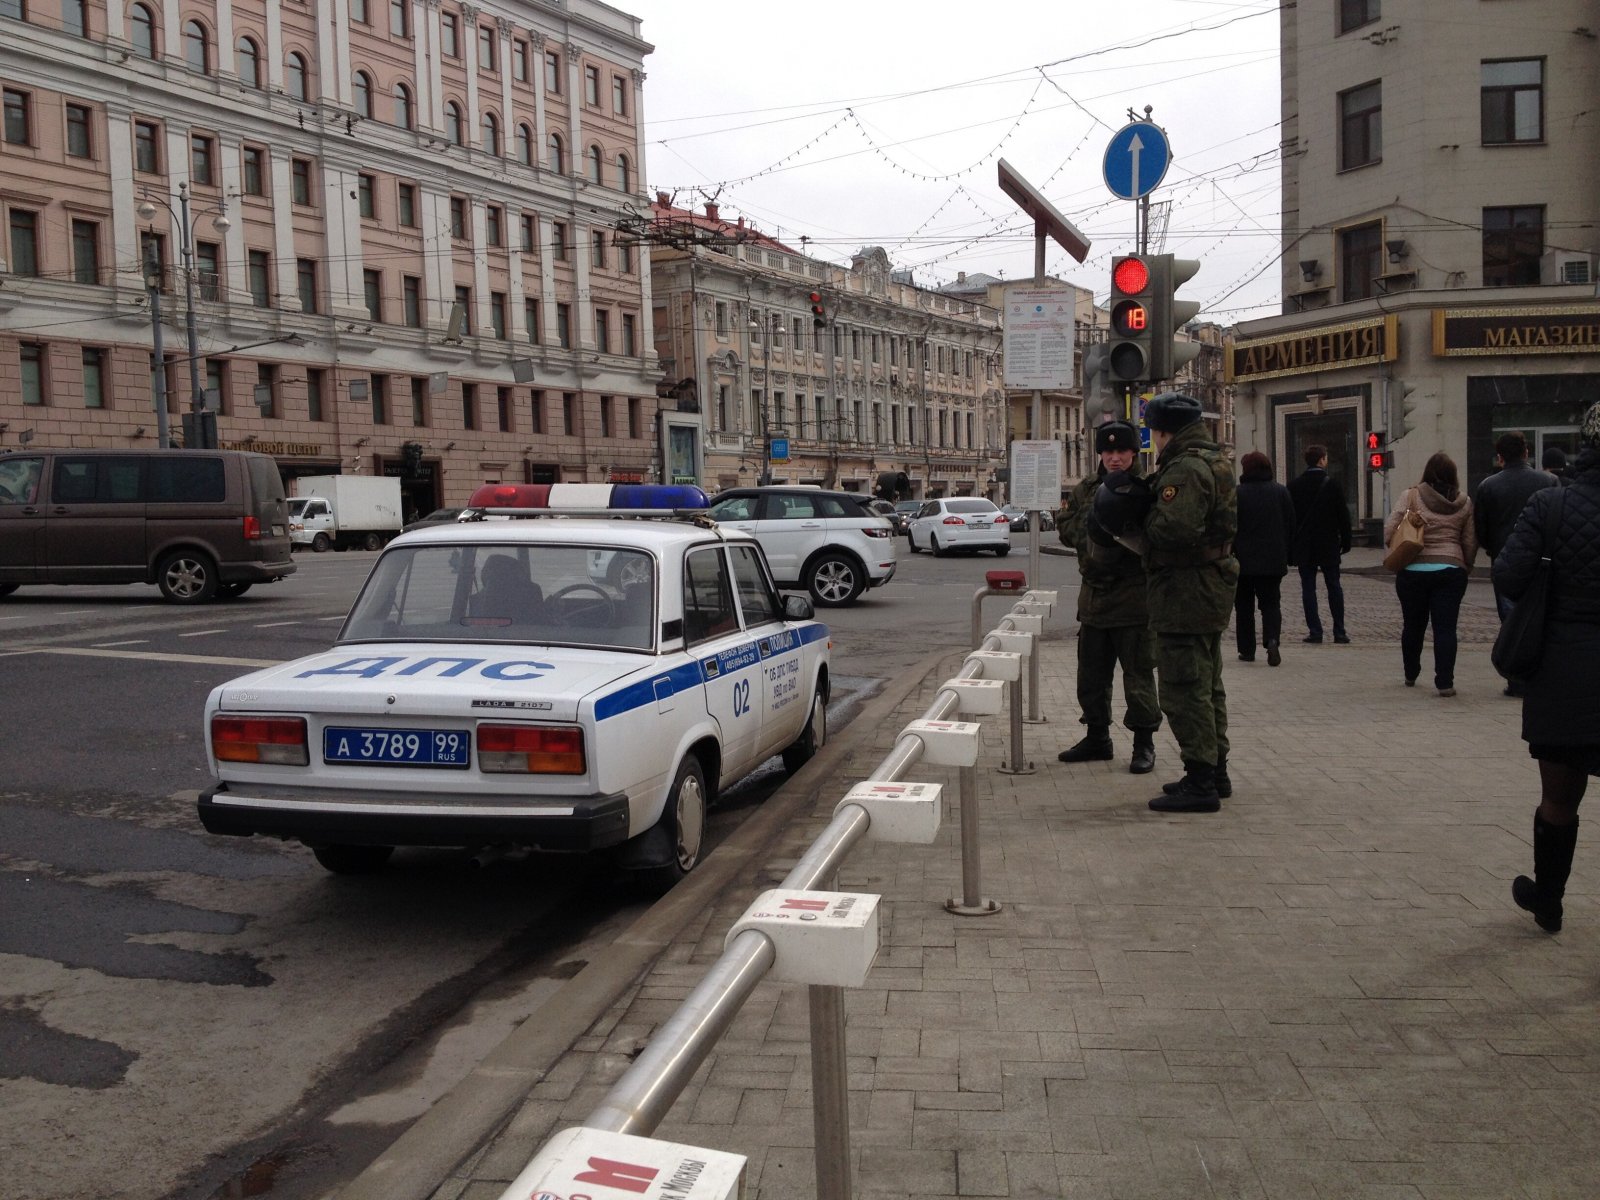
<point x="1113" y="621"/>
<point x="1188" y="533"/>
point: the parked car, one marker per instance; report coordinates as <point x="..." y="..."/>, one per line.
<point x="829" y="543"/>
<point x="1019" y="519"/>
<point x="906" y="509"/>
<point x="897" y="520"/>
<point x="439" y="516"/>
<point x="493" y="685"/>
<point x="961" y="523"/>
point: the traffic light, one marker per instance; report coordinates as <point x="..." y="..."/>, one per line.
<point x="1379" y="456"/>
<point x="1096" y="399"/>
<point x="819" y="313"/>
<point x="1168" y="314"/>
<point x="1402" y="408"/>
<point x="1128" y="353"/>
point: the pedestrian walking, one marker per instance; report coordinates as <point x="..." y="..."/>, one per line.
<point x="1561" y="706"/>
<point x="1266" y="524"/>
<point x="1322" y="535"/>
<point x="1113" y="618"/>
<point x="1501" y="498"/>
<point x="1554" y="460"/>
<point x="1431" y="588"/>
<point x="1187" y="517"/>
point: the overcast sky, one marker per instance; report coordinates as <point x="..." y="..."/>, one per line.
<point x="879" y="122"/>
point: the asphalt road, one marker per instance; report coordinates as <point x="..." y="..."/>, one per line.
<point x="186" y="1015"/>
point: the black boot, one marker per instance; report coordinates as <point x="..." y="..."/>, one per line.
<point x="1094" y="746"/>
<point x="1196" y="792"/>
<point x="1219" y="776"/>
<point x="1552" y="863"/>
<point x="1144" y="752"/>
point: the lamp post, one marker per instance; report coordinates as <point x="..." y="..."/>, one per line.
<point x="158" y="373"/>
<point x="200" y="434"/>
<point x="765" y="477"/>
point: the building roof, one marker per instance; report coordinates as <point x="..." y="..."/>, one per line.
<point x="976" y="284"/>
<point x="664" y="212"/>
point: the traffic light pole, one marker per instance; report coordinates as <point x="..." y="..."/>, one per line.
<point x="1041" y="231"/>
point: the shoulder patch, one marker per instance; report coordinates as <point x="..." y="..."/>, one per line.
<point x="1168" y="492"/>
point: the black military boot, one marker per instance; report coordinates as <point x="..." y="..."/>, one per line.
<point x="1144" y="753"/>
<point x="1219" y="776"/>
<point x="1552" y="863"/>
<point x="1094" y="746"/>
<point x="1196" y="792"/>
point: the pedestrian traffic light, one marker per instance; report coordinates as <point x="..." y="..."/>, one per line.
<point x="819" y="313"/>
<point x="1402" y="408"/>
<point x="1168" y="314"/>
<point x="1128" y="356"/>
<point x="1379" y="456"/>
<point x="1096" y="399"/>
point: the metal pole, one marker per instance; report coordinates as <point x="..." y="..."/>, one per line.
<point x="1035" y="717"/>
<point x="197" y="397"/>
<point x="158" y="370"/>
<point x="833" y="408"/>
<point x="972" y="903"/>
<point x="830" y="1094"/>
<point x="1017" y="765"/>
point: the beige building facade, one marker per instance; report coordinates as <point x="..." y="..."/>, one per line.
<point x="402" y="236"/>
<point x="1441" y="164"/>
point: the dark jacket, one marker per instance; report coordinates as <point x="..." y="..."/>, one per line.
<point x="1189" y="536"/>
<point x="1562" y="707"/>
<point x="1322" y="520"/>
<point x="1266" y="523"/>
<point x="1500" y="501"/>
<point x="1113" y="591"/>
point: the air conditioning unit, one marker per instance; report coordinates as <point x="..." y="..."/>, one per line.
<point x="1566" y="266"/>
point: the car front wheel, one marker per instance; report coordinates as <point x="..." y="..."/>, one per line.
<point x="320" y="543"/>
<point x="186" y="577"/>
<point x="834" y="580"/>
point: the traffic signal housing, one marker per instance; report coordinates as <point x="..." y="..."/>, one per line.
<point x="1168" y="314"/>
<point x="819" y="311"/>
<point x="1379" y="456"/>
<point x="1403" y="403"/>
<point x="1132" y="298"/>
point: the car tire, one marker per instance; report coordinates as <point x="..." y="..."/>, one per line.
<point x="938" y="550"/>
<point x="834" y="580"/>
<point x="813" y="737"/>
<point x="187" y="577"/>
<point x="7" y="588"/>
<point x="911" y="542"/>
<point x="372" y="542"/>
<point x="320" y="543"/>
<point x="683" y="826"/>
<point x="352" y="860"/>
<point x="231" y="591"/>
<point x="1001" y="551"/>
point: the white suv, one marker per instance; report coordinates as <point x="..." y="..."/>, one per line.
<point x="828" y="543"/>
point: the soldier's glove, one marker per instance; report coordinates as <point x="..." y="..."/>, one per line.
<point x="1121" y="502"/>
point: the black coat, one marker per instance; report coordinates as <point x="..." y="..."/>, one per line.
<point x="1322" y="529"/>
<point x="1266" y="523"/>
<point x="1562" y="707"/>
<point x="1500" y="501"/>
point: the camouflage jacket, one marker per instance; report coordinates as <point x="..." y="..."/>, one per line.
<point x="1189" y="536"/>
<point x="1113" y="591"/>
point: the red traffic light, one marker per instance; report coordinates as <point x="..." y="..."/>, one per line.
<point x="1375" y="439"/>
<point x="1130" y="318"/>
<point x="816" y="303"/>
<point x="1130" y="276"/>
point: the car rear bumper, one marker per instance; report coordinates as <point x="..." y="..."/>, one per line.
<point x="410" y="819"/>
<point x="255" y="572"/>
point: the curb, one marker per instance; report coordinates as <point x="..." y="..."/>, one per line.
<point x="416" y="1163"/>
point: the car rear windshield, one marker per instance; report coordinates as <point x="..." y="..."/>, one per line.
<point x="969" y="506"/>
<point x="537" y="595"/>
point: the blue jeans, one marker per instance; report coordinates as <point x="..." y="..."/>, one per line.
<point x="1430" y="596"/>
<point x="1308" y="594"/>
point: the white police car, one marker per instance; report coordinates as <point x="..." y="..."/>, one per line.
<point x="568" y="682"/>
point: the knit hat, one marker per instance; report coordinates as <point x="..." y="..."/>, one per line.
<point x="1589" y="428"/>
<point x="1115" y="435"/>
<point x="1171" y="411"/>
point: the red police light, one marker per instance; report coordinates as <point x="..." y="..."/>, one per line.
<point x="1130" y="276"/>
<point x="1130" y="318"/>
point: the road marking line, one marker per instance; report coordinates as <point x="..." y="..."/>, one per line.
<point x="132" y="642"/>
<point x="74" y="612"/>
<point x="151" y="656"/>
<point x="276" y="624"/>
<point x="330" y="618"/>
<point x="203" y="633"/>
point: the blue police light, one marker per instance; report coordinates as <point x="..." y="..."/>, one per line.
<point x="658" y="495"/>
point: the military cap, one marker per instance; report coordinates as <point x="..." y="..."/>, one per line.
<point x="1115" y="435"/>
<point x="1171" y="411"/>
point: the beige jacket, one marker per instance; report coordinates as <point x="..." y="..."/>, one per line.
<point x="1448" y="535"/>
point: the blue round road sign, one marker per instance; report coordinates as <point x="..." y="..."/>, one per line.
<point x="1136" y="160"/>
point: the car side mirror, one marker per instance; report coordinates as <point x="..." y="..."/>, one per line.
<point x="797" y="608"/>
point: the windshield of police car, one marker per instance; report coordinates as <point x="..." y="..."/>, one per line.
<point x="561" y="595"/>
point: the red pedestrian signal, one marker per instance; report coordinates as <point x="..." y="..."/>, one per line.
<point x="1379" y="456"/>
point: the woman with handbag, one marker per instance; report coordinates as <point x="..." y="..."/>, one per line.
<point x="1561" y="706"/>
<point x="1431" y="587"/>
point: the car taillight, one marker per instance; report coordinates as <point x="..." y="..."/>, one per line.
<point x="530" y="750"/>
<point x="1002" y="519"/>
<point x="277" y="740"/>
<point x="877" y="531"/>
<point x="252" y="529"/>
<point x="953" y="521"/>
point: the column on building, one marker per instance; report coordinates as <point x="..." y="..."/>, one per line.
<point x="331" y="72"/>
<point x="235" y="283"/>
<point x="480" y="268"/>
<point x="430" y="72"/>
<point x="438" y="260"/>
<point x="225" y="63"/>
<point x="274" y="48"/>
<point x="468" y="42"/>
<point x="508" y="120"/>
<point x="574" y="108"/>
<point x="582" y="300"/>
<point x="172" y="30"/>
<point x="124" y="220"/>
<point x="536" y="47"/>
<point x="547" y="279"/>
<point x="641" y="258"/>
<point x="283" y="230"/>
<point x="516" y="295"/>
<point x="342" y="246"/>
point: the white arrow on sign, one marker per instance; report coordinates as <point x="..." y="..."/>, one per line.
<point x="1134" y="146"/>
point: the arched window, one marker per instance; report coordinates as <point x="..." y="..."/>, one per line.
<point x="525" y="145"/>
<point x="624" y="176"/>
<point x="363" y="94"/>
<point x="452" y="123"/>
<point x="402" y="106"/>
<point x="247" y="62"/>
<point x="491" y="134"/>
<point x="295" y="78"/>
<point x="143" y="29"/>
<point x="196" y="47"/>
<point x="558" y="156"/>
<point x="596" y="165"/>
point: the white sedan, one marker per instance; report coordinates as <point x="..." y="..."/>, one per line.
<point x="960" y="523"/>
<point x="564" y="684"/>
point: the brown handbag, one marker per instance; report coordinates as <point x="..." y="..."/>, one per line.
<point x="1405" y="546"/>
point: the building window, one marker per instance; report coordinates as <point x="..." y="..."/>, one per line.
<point x="75" y="17"/>
<point x="1361" y="126"/>
<point x="558" y="160"/>
<point x="316" y="388"/>
<point x="419" y="401"/>
<point x="259" y="271"/>
<point x="452" y="124"/>
<point x="196" y="47"/>
<point x="619" y="96"/>
<point x="247" y="62"/>
<point x="469" y="406"/>
<point x="624" y="175"/>
<point x="404" y="115"/>
<point x="18" y="117"/>
<point x="630" y="336"/>
<point x="1513" y="101"/>
<point x="85" y="252"/>
<point x="602" y="330"/>
<point x="597" y="248"/>
<point x="146" y="147"/>
<point x="564" y="326"/>
<point x="1513" y="243"/>
<point x="596" y="165"/>
<point x="142" y="25"/>
<point x="519" y="60"/>
<point x="529" y="228"/>
<point x="625" y="259"/>
<point x="216" y="389"/>
<point x="458" y="218"/>
<point x="536" y="411"/>
<point x="492" y="222"/>
<point x="558" y="237"/>
<point x="530" y="320"/>
<point x="605" y="417"/>
<point x="366" y="196"/>
<point x="497" y="314"/>
<point x="569" y="413"/>
<point x="591" y="86"/>
<point x="400" y="18"/>
<point x="359" y="13"/>
<point x="305" y="271"/>
<point x="94" y="377"/>
<point x="633" y="416"/>
<point x="1360" y="260"/>
<point x="486" y="49"/>
<point x="408" y="205"/>
<point x="266" y="390"/>
<point x="491" y="134"/>
<point x="255" y="171"/>
<point x="80" y="141"/>
<point x="552" y="72"/>
<point x="372" y="290"/>
<point x="450" y="35"/>
<point x="24" y="242"/>
<point x="300" y="181"/>
<point x="411" y="300"/>
<point x="201" y="160"/>
<point x="525" y="144"/>
<point x="296" y="78"/>
<point x="722" y="319"/>
<point x="1355" y="13"/>
<point x="208" y="269"/>
<point x="31" y="355"/>
<point x="380" y="399"/>
<point x="464" y="303"/>
<point x="503" y="408"/>
<point x="361" y="86"/>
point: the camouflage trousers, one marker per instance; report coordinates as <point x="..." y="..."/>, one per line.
<point x="1099" y="653"/>
<point x="1190" y="671"/>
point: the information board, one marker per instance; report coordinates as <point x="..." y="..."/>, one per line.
<point x="1039" y="338"/>
<point x="1036" y="475"/>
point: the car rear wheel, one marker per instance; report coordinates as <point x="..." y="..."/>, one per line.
<point x="186" y="577"/>
<point x="683" y="822"/>
<point x="834" y="580"/>
<point x="938" y="550"/>
<point x="353" y="860"/>
<point x="813" y="737"/>
<point x="320" y="543"/>
<point x="1001" y="551"/>
<point x="229" y="591"/>
<point x="372" y="542"/>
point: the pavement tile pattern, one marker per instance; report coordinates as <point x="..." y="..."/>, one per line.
<point x="1324" y="991"/>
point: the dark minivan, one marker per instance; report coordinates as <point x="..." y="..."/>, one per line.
<point x="200" y="524"/>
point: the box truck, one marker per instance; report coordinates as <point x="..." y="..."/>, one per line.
<point x="344" y="511"/>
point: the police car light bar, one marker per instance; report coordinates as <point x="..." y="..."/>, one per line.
<point x="589" y="499"/>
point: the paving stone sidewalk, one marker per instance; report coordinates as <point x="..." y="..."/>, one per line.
<point x="1322" y="991"/>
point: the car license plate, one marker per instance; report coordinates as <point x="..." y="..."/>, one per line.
<point x="980" y="524"/>
<point x="397" y="747"/>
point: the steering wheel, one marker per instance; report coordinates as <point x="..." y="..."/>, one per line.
<point x="577" y="614"/>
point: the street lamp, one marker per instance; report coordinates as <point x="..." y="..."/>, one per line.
<point x="203" y="434"/>
<point x="766" y="428"/>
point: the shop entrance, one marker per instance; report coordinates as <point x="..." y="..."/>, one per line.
<point x="1338" y="427"/>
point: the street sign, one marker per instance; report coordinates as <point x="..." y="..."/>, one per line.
<point x="1136" y="161"/>
<point x="1036" y="475"/>
<point x="778" y="449"/>
<point x="1039" y="338"/>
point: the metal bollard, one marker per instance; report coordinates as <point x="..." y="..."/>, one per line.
<point x="973" y="903"/>
<point x="996" y="583"/>
<point x="830" y="1093"/>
